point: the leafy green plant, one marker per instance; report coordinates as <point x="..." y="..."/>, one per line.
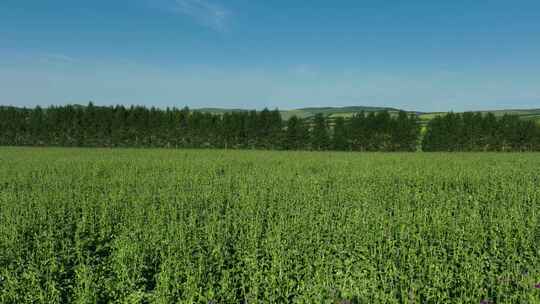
<point x="202" y="226"/>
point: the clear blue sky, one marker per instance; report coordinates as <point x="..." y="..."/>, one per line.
<point x="428" y="55"/>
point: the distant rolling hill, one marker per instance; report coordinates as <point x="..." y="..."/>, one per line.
<point x="525" y="114"/>
<point x="333" y="112"/>
<point x="309" y="112"/>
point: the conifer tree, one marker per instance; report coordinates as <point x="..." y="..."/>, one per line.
<point x="296" y="134"/>
<point x="340" y="136"/>
<point x="319" y="134"/>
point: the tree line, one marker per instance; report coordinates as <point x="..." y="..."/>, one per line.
<point x="481" y="132"/>
<point x="137" y="126"/>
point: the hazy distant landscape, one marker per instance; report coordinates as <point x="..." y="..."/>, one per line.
<point x="332" y="112"/>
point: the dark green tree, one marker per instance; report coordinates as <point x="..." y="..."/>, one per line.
<point x="296" y="134"/>
<point x="320" y="139"/>
<point x="340" y="137"/>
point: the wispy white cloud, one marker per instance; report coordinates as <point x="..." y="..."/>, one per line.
<point x="55" y="58"/>
<point x="304" y="70"/>
<point x="207" y="13"/>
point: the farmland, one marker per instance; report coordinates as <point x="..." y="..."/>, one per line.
<point x="217" y="226"/>
<point x="347" y="112"/>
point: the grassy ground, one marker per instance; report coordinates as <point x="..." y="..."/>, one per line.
<point x="165" y="226"/>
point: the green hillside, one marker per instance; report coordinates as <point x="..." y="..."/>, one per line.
<point x="219" y="110"/>
<point x="525" y="114"/>
<point x="309" y="112"/>
<point x="333" y="112"/>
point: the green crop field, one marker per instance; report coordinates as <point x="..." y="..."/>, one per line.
<point x="203" y="226"/>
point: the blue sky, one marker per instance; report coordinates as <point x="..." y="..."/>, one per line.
<point x="426" y="55"/>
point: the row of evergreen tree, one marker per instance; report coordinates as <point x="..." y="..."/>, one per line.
<point x="481" y="132"/>
<point x="91" y="126"/>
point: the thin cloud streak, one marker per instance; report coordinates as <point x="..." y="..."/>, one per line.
<point x="54" y="58"/>
<point x="206" y="13"/>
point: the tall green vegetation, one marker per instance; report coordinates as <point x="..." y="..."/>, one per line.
<point x="320" y="139"/>
<point x="340" y="138"/>
<point x="201" y="226"/>
<point x="297" y="134"/>
<point x="477" y="132"/>
<point x="91" y="126"/>
<point x="382" y="132"/>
